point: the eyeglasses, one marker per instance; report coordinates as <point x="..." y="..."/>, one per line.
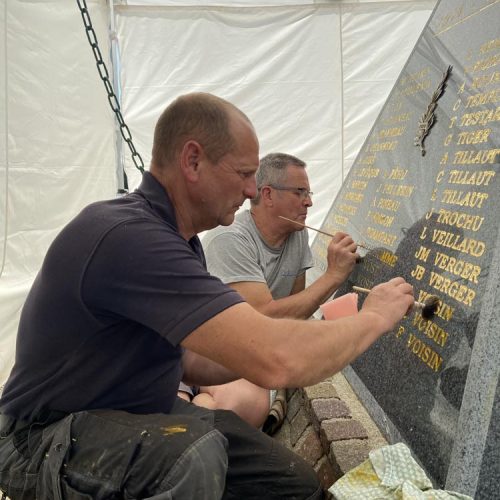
<point x="302" y="193"/>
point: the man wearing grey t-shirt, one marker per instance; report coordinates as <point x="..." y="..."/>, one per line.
<point x="265" y="259"/>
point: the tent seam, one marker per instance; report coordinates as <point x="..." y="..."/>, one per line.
<point x="6" y="81"/>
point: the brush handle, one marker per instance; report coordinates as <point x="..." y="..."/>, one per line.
<point x="420" y="305"/>
<point x="317" y="230"/>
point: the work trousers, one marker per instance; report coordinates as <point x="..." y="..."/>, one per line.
<point x="192" y="453"/>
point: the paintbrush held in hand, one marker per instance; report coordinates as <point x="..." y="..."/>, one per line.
<point x="427" y="308"/>
<point x="317" y="230"/>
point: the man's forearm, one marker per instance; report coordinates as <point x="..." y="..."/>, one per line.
<point x="287" y="352"/>
<point x="199" y="370"/>
<point x="303" y="304"/>
<point x="290" y="353"/>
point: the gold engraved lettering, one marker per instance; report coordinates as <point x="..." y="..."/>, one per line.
<point x="403" y="117"/>
<point x="431" y="330"/>
<point x="402" y="190"/>
<point x="460" y="219"/>
<point x="381" y="236"/>
<point x="418" y="272"/>
<point x="340" y="220"/>
<point x="381" y="219"/>
<point x="476" y="177"/>
<point x="348" y="209"/>
<point x="398" y="173"/>
<point x="450" y="18"/>
<point x="470" y="199"/>
<point x="475" y="157"/>
<point x="422" y="253"/>
<point x="483" y="81"/>
<point x="430" y="357"/>
<point x="359" y="185"/>
<point x="484" y="98"/>
<point x="391" y="132"/>
<point x="383" y="146"/>
<point x="415" y="88"/>
<point x="460" y="293"/>
<point x="475" y="137"/>
<point x="389" y="258"/>
<point x="458" y="242"/>
<point x="331" y="228"/>
<point x="484" y="64"/>
<point x="355" y="197"/>
<point x="480" y="117"/>
<point x="490" y="45"/>
<point x="368" y="173"/>
<point x="388" y="204"/>
<point x="413" y="77"/>
<point x="457" y="267"/>
<point x="368" y="160"/>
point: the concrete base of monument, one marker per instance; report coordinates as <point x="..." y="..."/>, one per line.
<point x="328" y="426"/>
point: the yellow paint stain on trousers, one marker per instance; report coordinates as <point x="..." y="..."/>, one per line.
<point x="174" y="429"/>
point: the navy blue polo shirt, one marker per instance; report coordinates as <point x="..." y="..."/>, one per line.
<point x="118" y="291"/>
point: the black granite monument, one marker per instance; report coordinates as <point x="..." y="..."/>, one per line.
<point x="424" y="196"/>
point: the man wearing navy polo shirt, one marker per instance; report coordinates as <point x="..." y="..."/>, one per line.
<point x="123" y="309"/>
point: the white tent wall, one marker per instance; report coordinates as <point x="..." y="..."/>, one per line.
<point x="56" y="141"/>
<point x="311" y="76"/>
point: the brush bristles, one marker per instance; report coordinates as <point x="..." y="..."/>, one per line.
<point x="431" y="305"/>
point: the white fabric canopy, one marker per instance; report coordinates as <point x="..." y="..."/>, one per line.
<point x="311" y="76"/>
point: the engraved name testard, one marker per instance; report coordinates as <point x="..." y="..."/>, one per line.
<point x="424" y="195"/>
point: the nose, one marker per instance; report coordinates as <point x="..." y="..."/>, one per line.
<point x="250" y="190"/>
<point x="308" y="201"/>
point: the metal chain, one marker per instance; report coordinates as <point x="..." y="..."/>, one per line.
<point x="103" y="73"/>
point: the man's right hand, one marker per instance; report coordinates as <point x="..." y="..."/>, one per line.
<point x="341" y="257"/>
<point x="390" y="301"/>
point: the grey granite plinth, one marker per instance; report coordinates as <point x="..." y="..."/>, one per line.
<point x="423" y="196"/>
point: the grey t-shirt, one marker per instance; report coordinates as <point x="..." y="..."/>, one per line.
<point x="238" y="253"/>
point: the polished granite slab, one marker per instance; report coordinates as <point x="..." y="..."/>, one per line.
<point x="424" y="196"/>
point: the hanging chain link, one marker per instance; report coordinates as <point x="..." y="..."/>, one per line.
<point x="103" y="73"/>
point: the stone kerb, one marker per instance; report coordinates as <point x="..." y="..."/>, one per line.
<point x="328" y="426"/>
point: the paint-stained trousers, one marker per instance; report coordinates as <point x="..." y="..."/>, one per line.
<point x="192" y="453"/>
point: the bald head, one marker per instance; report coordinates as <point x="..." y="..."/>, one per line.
<point x="201" y="117"/>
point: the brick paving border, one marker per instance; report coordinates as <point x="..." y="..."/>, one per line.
<point x="328" y="426"/>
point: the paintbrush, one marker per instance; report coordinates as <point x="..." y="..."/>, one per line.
<point x="318" y="230"/>
<point x="427" y="308"/>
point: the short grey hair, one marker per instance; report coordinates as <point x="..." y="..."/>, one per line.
<point x="272" y="171"/>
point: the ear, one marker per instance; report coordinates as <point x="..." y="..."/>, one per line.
<point x="190" y="158"/>
<point x="266" y="196"/>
